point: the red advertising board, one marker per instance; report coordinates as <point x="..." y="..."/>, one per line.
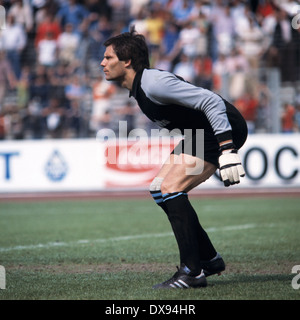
<point x="135" y="163"/>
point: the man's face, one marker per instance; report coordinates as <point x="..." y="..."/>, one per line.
<point x="113" y="68"/>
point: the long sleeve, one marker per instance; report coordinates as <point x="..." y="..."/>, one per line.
<point x="164" y="88"/>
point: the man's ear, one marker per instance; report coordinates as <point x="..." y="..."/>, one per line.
<point x="127" y="63"/>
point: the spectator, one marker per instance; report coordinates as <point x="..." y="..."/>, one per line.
<point x="196" y="10"/>
<point x="227" y="37"/>
<point x="68" y="43"/>
<point x="57" y="79"/>
<point x="234" y="69"/>
<point x="239" y="10"/>
<point x="182" y="10"/>
<point x="247" y="105"/>
<point x="280" y="53"/>
<point x="76" y="120"/>
<point x="223" y="29"/>
<point x="13" y="41"/>
<point x="154" y="28"/>
<point x="265" y="8"/>
<point x="23" y="88"/>
<point x="74" y="90"/>
<point x="39" y="90"/>
<point x="185" y="68"/>
<point x="34" y="126"/>
<point x="137" y="5"/>
<point x="288" y="118"/>
<point x="120" y="10"/>
<point x="71" y="13"/>
<point x="105" y="127"/>
<point x="250" y="38"/>
<point x="98" y="35"/>
<point x="170" y="38"/>
<point x="203" y="72"/>
<point x="47" y="51"/>
<point x="7" y="77"/>
<point x="2" y="125"/>
<point x="128" y="114"/>
<point x="13" y="122"/>
<point x="97" y="9"/>
<point x="237" y="61"/>
<point x="188" y="40"/>
<point x="82" y="52"/>
<point x="240" y="75"/>
<point x="220" y="67"/>
<point x="54" y="117"/>
<point x="44" y="8"/>
<point x="267" y="24"/>
<point x="160" y="61"/>
<point x="297" y="117"/>
<point x="49" y="24"/>
<point x="201" y="22"/>
<point x="21" y="10"/>
<point x="102" y="93"/>
<point x="263" y="115"/>
<point x="103" y="28"/>
<point x="240" y="15"/>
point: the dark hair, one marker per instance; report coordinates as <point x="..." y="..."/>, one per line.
<point x="131" y="46"/>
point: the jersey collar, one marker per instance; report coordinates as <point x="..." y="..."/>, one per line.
<point x="136" y="81"/>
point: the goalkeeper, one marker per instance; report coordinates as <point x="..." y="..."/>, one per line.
<point x="174" y="103"/>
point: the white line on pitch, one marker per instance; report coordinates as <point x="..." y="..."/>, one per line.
<point x="122" y="238"/>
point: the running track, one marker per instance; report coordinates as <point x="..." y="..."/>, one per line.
<point x="121" y="194"/>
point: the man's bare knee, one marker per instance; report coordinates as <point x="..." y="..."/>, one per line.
<point x="168" y="186"/>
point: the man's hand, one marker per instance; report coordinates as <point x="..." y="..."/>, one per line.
<point x="230" y="165"/>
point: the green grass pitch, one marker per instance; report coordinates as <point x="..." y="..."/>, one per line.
<point x="117" y="249"/>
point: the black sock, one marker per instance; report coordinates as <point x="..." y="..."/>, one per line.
<point x="157" y="196"/>
<point x="193" y="242"/>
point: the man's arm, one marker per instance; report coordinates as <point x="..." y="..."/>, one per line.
<point x="165" y="88"/>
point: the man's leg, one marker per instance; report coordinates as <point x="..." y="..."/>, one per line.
<point x="174" y="183"/>
<point x="155" y="186"/>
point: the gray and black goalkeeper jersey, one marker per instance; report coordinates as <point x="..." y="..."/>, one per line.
<point x="173" y="103"/>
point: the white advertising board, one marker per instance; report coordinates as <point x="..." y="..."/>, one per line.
<point x="49" y="165"/>
<point x="270" y="161"/>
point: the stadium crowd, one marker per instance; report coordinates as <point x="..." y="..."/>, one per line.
<point x="51" y="85"/>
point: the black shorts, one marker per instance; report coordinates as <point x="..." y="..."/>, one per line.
<point x="210" y="150"/>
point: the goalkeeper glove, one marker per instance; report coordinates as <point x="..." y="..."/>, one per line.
<point x="230" y="165"/>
